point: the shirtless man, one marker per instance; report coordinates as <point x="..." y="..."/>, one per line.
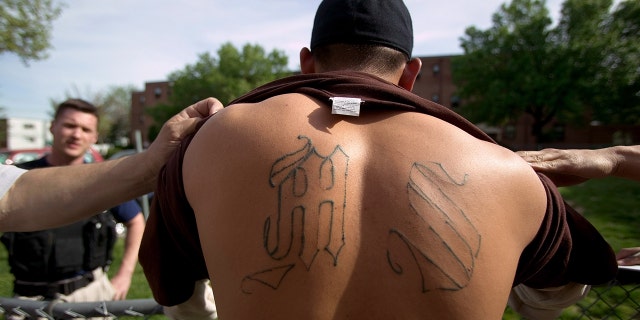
<point x="311" y="204"/>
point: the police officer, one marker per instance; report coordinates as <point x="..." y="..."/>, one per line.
<point x="69" y="263"/>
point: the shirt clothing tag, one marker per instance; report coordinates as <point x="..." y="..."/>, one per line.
<point x="346" y="106"/>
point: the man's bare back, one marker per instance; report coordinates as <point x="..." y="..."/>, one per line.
<point x="307" y="215"/>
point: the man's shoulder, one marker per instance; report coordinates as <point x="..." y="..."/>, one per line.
<point x="279" y="99"/>
<point x="289" y="107"/>
<point x="33" y="164"/>
<point x="505" y="164"/>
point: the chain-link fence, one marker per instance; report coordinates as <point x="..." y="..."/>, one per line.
<point x="618" y="300"/>
<point x="29" y="309"/>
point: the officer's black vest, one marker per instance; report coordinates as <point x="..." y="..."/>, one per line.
<point x="60" y="253"/>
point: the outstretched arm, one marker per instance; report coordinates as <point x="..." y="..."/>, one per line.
<point x="102" y="185"/>
<point x="573" y="166"/>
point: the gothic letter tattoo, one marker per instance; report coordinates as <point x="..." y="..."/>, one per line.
<point x="311" y="191"/>
<point x="454" y="242"/>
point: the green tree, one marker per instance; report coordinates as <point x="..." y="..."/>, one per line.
<point x="226" y="77"/>
<point x="115" y="110"/>
<point x="507" y="69"/>
<point x="617" y="85"/>
<point x="583" y="39"/>
<point x="521" y="65"/>
<point x="25" y="27"/>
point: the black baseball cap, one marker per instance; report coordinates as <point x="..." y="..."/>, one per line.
<point x="379" y="22"/>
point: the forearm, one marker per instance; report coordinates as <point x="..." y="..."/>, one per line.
<point x="628" y="162"/>
<point x="79" y="191"/>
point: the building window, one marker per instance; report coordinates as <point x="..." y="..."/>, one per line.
<point x="455" y="102"/>
<point x="157" y="92"/>
<point x="28" y="126"/>
<point x="510" y="132"/>
<point x="436" y="69"/>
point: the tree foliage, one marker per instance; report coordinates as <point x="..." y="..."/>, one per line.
<point x="521" y="65"/>
<point x="232" y="73"/>
<point x="25" y="27"/>
<point x="115" y="110"/>
<point x="618" y="95"/>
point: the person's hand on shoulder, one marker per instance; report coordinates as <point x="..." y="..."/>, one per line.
<point x="179" y="126"/>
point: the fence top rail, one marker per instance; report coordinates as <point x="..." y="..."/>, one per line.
<point x="628" y="275"/>
<point x="69" y="310"/>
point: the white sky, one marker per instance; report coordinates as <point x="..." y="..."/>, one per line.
<point x="99" y="44"/>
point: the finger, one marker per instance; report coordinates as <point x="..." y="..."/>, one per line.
<point x="629" y="261"/>
<point x="204" y="108"/>
<point x="187" y="126"/>
<point x="532" y="156"/>
<point x="524" y="154"/>
<point x="626" y="252"/>
<point x="538" y="157"/>
<point x="628" y="257"/>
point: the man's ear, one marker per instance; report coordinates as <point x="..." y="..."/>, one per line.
<point x="410" y="73"/>
<point x="307" y="63"/>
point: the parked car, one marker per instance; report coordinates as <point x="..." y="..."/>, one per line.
<point x="19" y="156"/>
<point x="23" y="155"/>
<point x="123" y="153"/>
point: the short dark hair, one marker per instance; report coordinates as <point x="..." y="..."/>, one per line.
<point x="375" y="59"/>
<point x="77" y="104"/>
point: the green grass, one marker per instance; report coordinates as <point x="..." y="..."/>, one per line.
<point x="139" y="286"/>
<point x="612" y="205"/>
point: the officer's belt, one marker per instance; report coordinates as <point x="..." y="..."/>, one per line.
<point x="49" y="289"/>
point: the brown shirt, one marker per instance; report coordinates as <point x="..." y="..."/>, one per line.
<point x="566" y="249"/>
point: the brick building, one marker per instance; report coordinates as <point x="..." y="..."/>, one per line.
<point x="154" y="93"/>
<point x="435" y="83"/>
